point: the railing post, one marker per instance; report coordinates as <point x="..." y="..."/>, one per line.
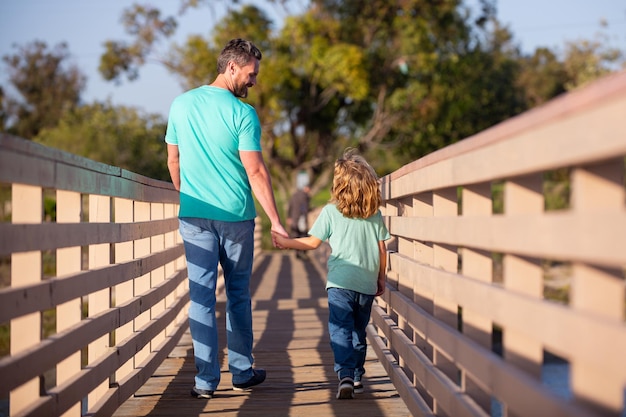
<point x="25" y="269"/>
<point x="157" y="276"/>
<point x="595" y="289"/>
<point x="142" y="283"/>
<point x="69" y="261"/>
<point x="445" y="257"/>
<point x="123" y="252"/>
<point x="99" y="256"/>
<point x="523" y="196"/>
<point x="476" y="264"/>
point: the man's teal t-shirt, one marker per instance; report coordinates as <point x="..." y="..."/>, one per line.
<point x="354" y="261"/>
<point x="210" y="126"/>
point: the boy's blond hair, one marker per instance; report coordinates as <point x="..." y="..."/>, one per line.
<point x="355" y="191"/>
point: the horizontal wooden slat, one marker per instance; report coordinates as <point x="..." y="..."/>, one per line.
<point x="587" y="237"/>
<point x="44" y="295"/>
<point x="47" y="236"/>
<point x="26" y="162"/>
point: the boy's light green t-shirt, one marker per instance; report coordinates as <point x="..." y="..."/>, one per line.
<point x="354" y="261"/>
<point x="210" y="126"/>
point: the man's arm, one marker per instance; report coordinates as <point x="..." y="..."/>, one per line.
<point x="173" y="164"/>
<point x="261" y="184"/>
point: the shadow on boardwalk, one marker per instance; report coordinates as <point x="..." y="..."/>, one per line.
<point x="291" y="343"/>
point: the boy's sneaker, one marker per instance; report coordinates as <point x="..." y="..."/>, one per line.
<point x="358" y="387"/>
<point x="201" y="393"/>
<point x="346" y="389"/>
<point x="258" y="376"/>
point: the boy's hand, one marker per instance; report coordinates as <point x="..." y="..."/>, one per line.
<point x="381" y="287"/>
<point x="278" y="240"/>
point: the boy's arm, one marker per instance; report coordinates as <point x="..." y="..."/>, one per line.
<point x="382" y="270"/>
<point x="301" y="243"/>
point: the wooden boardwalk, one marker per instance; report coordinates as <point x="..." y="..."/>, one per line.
<point x="291" y="343"/>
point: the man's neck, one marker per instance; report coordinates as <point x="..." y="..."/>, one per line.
<point x="221" y="82"/>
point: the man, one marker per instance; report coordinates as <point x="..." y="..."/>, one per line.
<point x="215" y="161"/>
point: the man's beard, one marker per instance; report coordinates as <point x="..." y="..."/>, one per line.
<point x="241" y="90"/>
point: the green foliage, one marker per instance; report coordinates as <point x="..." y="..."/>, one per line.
<point x="321" y="198"/>
<point x="147" y="26"/>
<point x="5" y="340"/>
<point x="50" y="209"/>
<point x="541" y="77"/>
<point x="556" y="189"/>
<point x="196" y="61"/>
<point x="47" y="86"/>
<point x="117" y="136"/>
<point x="588" y="60"/>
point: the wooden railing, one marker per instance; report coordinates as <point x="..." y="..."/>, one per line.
<point x="104" y="282"/>
<point x="508" y="256"/>
<point x="95" y="298"/>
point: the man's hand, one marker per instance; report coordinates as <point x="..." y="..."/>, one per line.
<point x="277" y="234"/>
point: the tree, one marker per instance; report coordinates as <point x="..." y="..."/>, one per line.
<point x="47" y="85"/>
<point x="118" y="136"/>
<point x="545" y="74"/>
<point x="148" y="27"/>
<point x="396" y="79"/>
<point x="587" y="60"/>
<point x="4" y="116"/>
<point x="542" y="77"/>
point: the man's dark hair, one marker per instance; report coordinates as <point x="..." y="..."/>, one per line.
<point x="238" y="50"/>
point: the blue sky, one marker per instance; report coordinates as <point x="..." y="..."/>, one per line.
<point x="86" y="24"/>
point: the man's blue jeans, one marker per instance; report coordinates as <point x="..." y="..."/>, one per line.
<point x="349" y="313"/>
<point x="230" y="244"/>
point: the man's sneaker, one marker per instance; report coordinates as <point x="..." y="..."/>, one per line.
<point x="258" y="376"/>
<point x="346" y="389"/>
<point x="201" y="393"/>
<point x="358" y="387"/>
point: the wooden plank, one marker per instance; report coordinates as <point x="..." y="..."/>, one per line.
<point x="99" y="301"/>
<point x="523" y="195"/>
<point x="553" y="235"/>
<point x="26" y="237"/>
<point x="291" y="343"/>
<point x="15" y="302"/>
<point x="69" y="261"/>
<point x="26" y="269"/>
<point x="26" y="162"/>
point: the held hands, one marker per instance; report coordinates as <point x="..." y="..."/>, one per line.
<point x="279" y="240"/>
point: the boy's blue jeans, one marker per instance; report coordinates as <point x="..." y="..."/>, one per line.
<point x="349" y="313"/>
<point x="230" y="244"/>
